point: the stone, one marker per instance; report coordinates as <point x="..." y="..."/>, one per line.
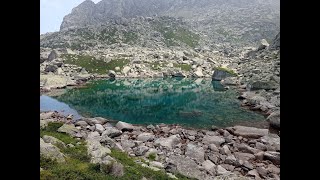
<point x="273" y="169"/>
<point x="69" y="129"/>
<point x="126" y="70"/>
<point x="53" y="140"/>
<point x="249" y="132"/>
<point x="168" y="142"/>
<point x="209" y="166"/>
<point x="124" y="126"/>
<point x="50" y="151"/>
<point x="262" y="171"/>
<point x="51" y="68"/>
<point x="141" y="150"/>
<point x="46" y="115"/>
<point x="254" y="173"/>
<point x="261" y="146"/>
<point x="97" y="151"/>
<point x="198" y="73"/>
<point x="259" y="155"/>
<point x="117" y="68"/>
<point x="274" y="157"/>
<point x="225" y="150"/>
<point x="94" y="135"/>
<point x="92" y="121"/>
<point x="247" y="165"/>
<point x="195" y="152"/>
<point x="156" y="164"/>
<point x="230" y="160"/>
<point x="111" y="132"/>
<point x="179" y="74"/>
<point x="219" y="74"/>
<point x="99" y="128"/>
<point x="127" y="144"/>
<point x="184" y="166"/>
<point x="213" y="148"/>
<point x="43" y="124"/>
<point x="247" y="149"/>
<point x="274" y="119"/>
<point x="213" y="140"/>
<point x="53" y="55"/>
<point x="221" y="170"/>
<point x="81" y="123"/>
<point x="244" y="156"/>
<point x="117" y="169"/>
<point x="214" y="158"/>
<point x="112" y="74"/>
<point x="145" y="137"/>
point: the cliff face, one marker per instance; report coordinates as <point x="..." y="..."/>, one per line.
<point x="206" y="11"/>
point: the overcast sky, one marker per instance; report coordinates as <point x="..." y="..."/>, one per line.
<point x="53" y="11"/>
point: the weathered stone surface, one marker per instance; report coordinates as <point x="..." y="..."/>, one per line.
<point x="209" y="166"/>
<point x="250" y="132"/>
<point x="81" y="123"/>
<point x="167" y="142"/>
<point x="244" y="156"/>
<point x="213" y="140"/>
<point x="185" y="166"/>
<point x="50" y="151"/>
<point x="145" y="137"/>
<point x="53" y="140"/>
<point x="111" y="132"/>
<point x="274" y="157"/>
<point x="43" y="124"/>
<point x="124" y="126"/>
<point x="195" y="152"/>
<point x="221" y="170"/>
<point x="69" y="129"/>
<point x="99" y="128"/>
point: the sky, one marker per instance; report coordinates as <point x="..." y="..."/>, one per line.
<point x="53" y="11"/>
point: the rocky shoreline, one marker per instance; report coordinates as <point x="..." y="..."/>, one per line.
<point x="237" y="152"/>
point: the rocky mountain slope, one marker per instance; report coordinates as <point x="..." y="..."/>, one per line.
<point x="102" y="150"/>
<point x="241" y="22"/>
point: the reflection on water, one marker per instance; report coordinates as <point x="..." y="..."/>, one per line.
<point x="49" y="104"/>
<point x="190" y="102"/>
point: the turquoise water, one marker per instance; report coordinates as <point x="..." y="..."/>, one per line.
<point x="198" y="103"/>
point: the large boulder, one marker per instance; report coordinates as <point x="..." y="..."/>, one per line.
<point x="221" y="73"/>
<point x="96" y="150"/>
<point x="168" y="142"/>
<point x="111" y="132"/>
<point x="145" y="137"/>
<point x="126" y="70"/>
<point x="53" y="55"/>
<point x="195" y="152"/>
<point x="274" y="157"/>
<point x="53" y="140"/>
<point x="249" y="132"/>
<point x="50" y="151"/>
<point x="274" y="119"/>
<point x="69" y="129"/>
<point x="185" y="166"/>
<point x="217" y="140"/>
<point x="124" y="126"/>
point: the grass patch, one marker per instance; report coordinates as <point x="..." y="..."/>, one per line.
<point x="93" y="65"/>
<point x="230" y="71"/>
<point x="152" y="156"/>
<point x="184" y="67"/>
<point x="78" y="166"/>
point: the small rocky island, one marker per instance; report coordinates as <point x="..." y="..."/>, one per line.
<point x="236" y="43"/>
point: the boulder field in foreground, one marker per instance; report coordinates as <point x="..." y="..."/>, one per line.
<point x="234" y="153"/>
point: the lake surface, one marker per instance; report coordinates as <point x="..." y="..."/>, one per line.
<point x="198" y="103"/>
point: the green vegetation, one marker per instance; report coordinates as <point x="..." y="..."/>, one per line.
<point x="230" y="71"/>
<point x="93" y="65"/>
<point x="172" y="34"/>
<point x="184" y="67"/>
<point x="108" y="35"/>
<point x="152" y="156"/>
<point x="78" y="166"/>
